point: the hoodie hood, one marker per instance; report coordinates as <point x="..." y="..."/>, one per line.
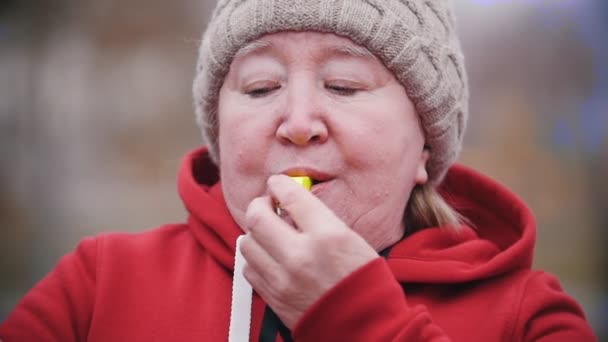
<point x="210" y="221"/>
<point x="499" y="238"/>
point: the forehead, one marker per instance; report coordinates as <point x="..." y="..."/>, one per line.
<point x="317" y="44"/>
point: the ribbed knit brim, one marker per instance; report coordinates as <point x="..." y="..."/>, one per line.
<point x="415" y="39"/>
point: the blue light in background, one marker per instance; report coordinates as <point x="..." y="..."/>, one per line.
<point x="592" y="24"/>
<point x="586" y="129"/>
<point x="563" y="134"/>
<point x="494" y="2"/>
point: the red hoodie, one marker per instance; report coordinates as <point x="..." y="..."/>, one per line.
<point x="174" y="283"/>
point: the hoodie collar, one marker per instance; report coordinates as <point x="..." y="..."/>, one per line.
<point x="500" y="238"/>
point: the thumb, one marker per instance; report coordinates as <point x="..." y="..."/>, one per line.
<point x="306" y="210"/>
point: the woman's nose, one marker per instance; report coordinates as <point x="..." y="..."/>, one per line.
<point x="302" y="118"/>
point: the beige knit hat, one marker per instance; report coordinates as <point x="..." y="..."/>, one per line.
<point x="415" y="39"/>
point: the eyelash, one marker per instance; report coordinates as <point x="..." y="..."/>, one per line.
<point x="261" y="92"/>
<point x="340" y="90"/>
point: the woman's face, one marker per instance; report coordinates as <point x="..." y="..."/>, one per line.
<point x="317" y="104"/>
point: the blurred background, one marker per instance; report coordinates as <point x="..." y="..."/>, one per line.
<point x="96" y="114"/>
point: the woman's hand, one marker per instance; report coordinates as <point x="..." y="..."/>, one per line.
<point x="292" y="262"/>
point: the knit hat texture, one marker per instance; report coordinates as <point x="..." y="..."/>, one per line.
<point x="415" y="39"/>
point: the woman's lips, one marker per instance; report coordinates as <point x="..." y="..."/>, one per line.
<point x="317" y="176"/>
<point x="318" y="187"/>
<point x="321" y="180"/>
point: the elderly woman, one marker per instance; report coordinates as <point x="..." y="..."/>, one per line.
<point x="368" y="98"/>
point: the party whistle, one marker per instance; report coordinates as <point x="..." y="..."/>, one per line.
<point x="304" y="181"/>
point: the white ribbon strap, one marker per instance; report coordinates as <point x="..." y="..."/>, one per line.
<point x="240" y="312"/>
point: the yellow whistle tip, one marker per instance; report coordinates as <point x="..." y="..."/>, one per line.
<point x="304" y="181"/>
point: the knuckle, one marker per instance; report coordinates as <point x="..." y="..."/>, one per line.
<point x="331" y="237"/>
<point x="247" y="271"/>
<point x="245" y="246"/>
<point x="281" y="287"/>
<point x="288" y="198"/>
<point x="297" y="260"/>
<point x="250" y="275"/>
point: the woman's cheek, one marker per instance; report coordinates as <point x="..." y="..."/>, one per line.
<point x="367" y="150"/>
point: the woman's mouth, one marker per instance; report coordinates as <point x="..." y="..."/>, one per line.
<point x="318" y="185"/>
<point x="319" y="179"/>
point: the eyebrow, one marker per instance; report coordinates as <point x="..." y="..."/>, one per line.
<point x="258" y="46"/>
<point x="350" y="50"/>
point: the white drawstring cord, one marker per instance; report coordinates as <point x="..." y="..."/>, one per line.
<point x="240" y="311"/>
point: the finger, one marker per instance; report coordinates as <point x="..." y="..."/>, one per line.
<point x="259" y="260"/>
<point x="258" y="283"/>
<point x="270" y="231"/>
<point x="274" y="297"/>
<point x="305" y="209"/>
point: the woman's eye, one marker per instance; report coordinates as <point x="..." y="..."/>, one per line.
<point x="261" y="91"/>
<point x="342" y="89"/>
